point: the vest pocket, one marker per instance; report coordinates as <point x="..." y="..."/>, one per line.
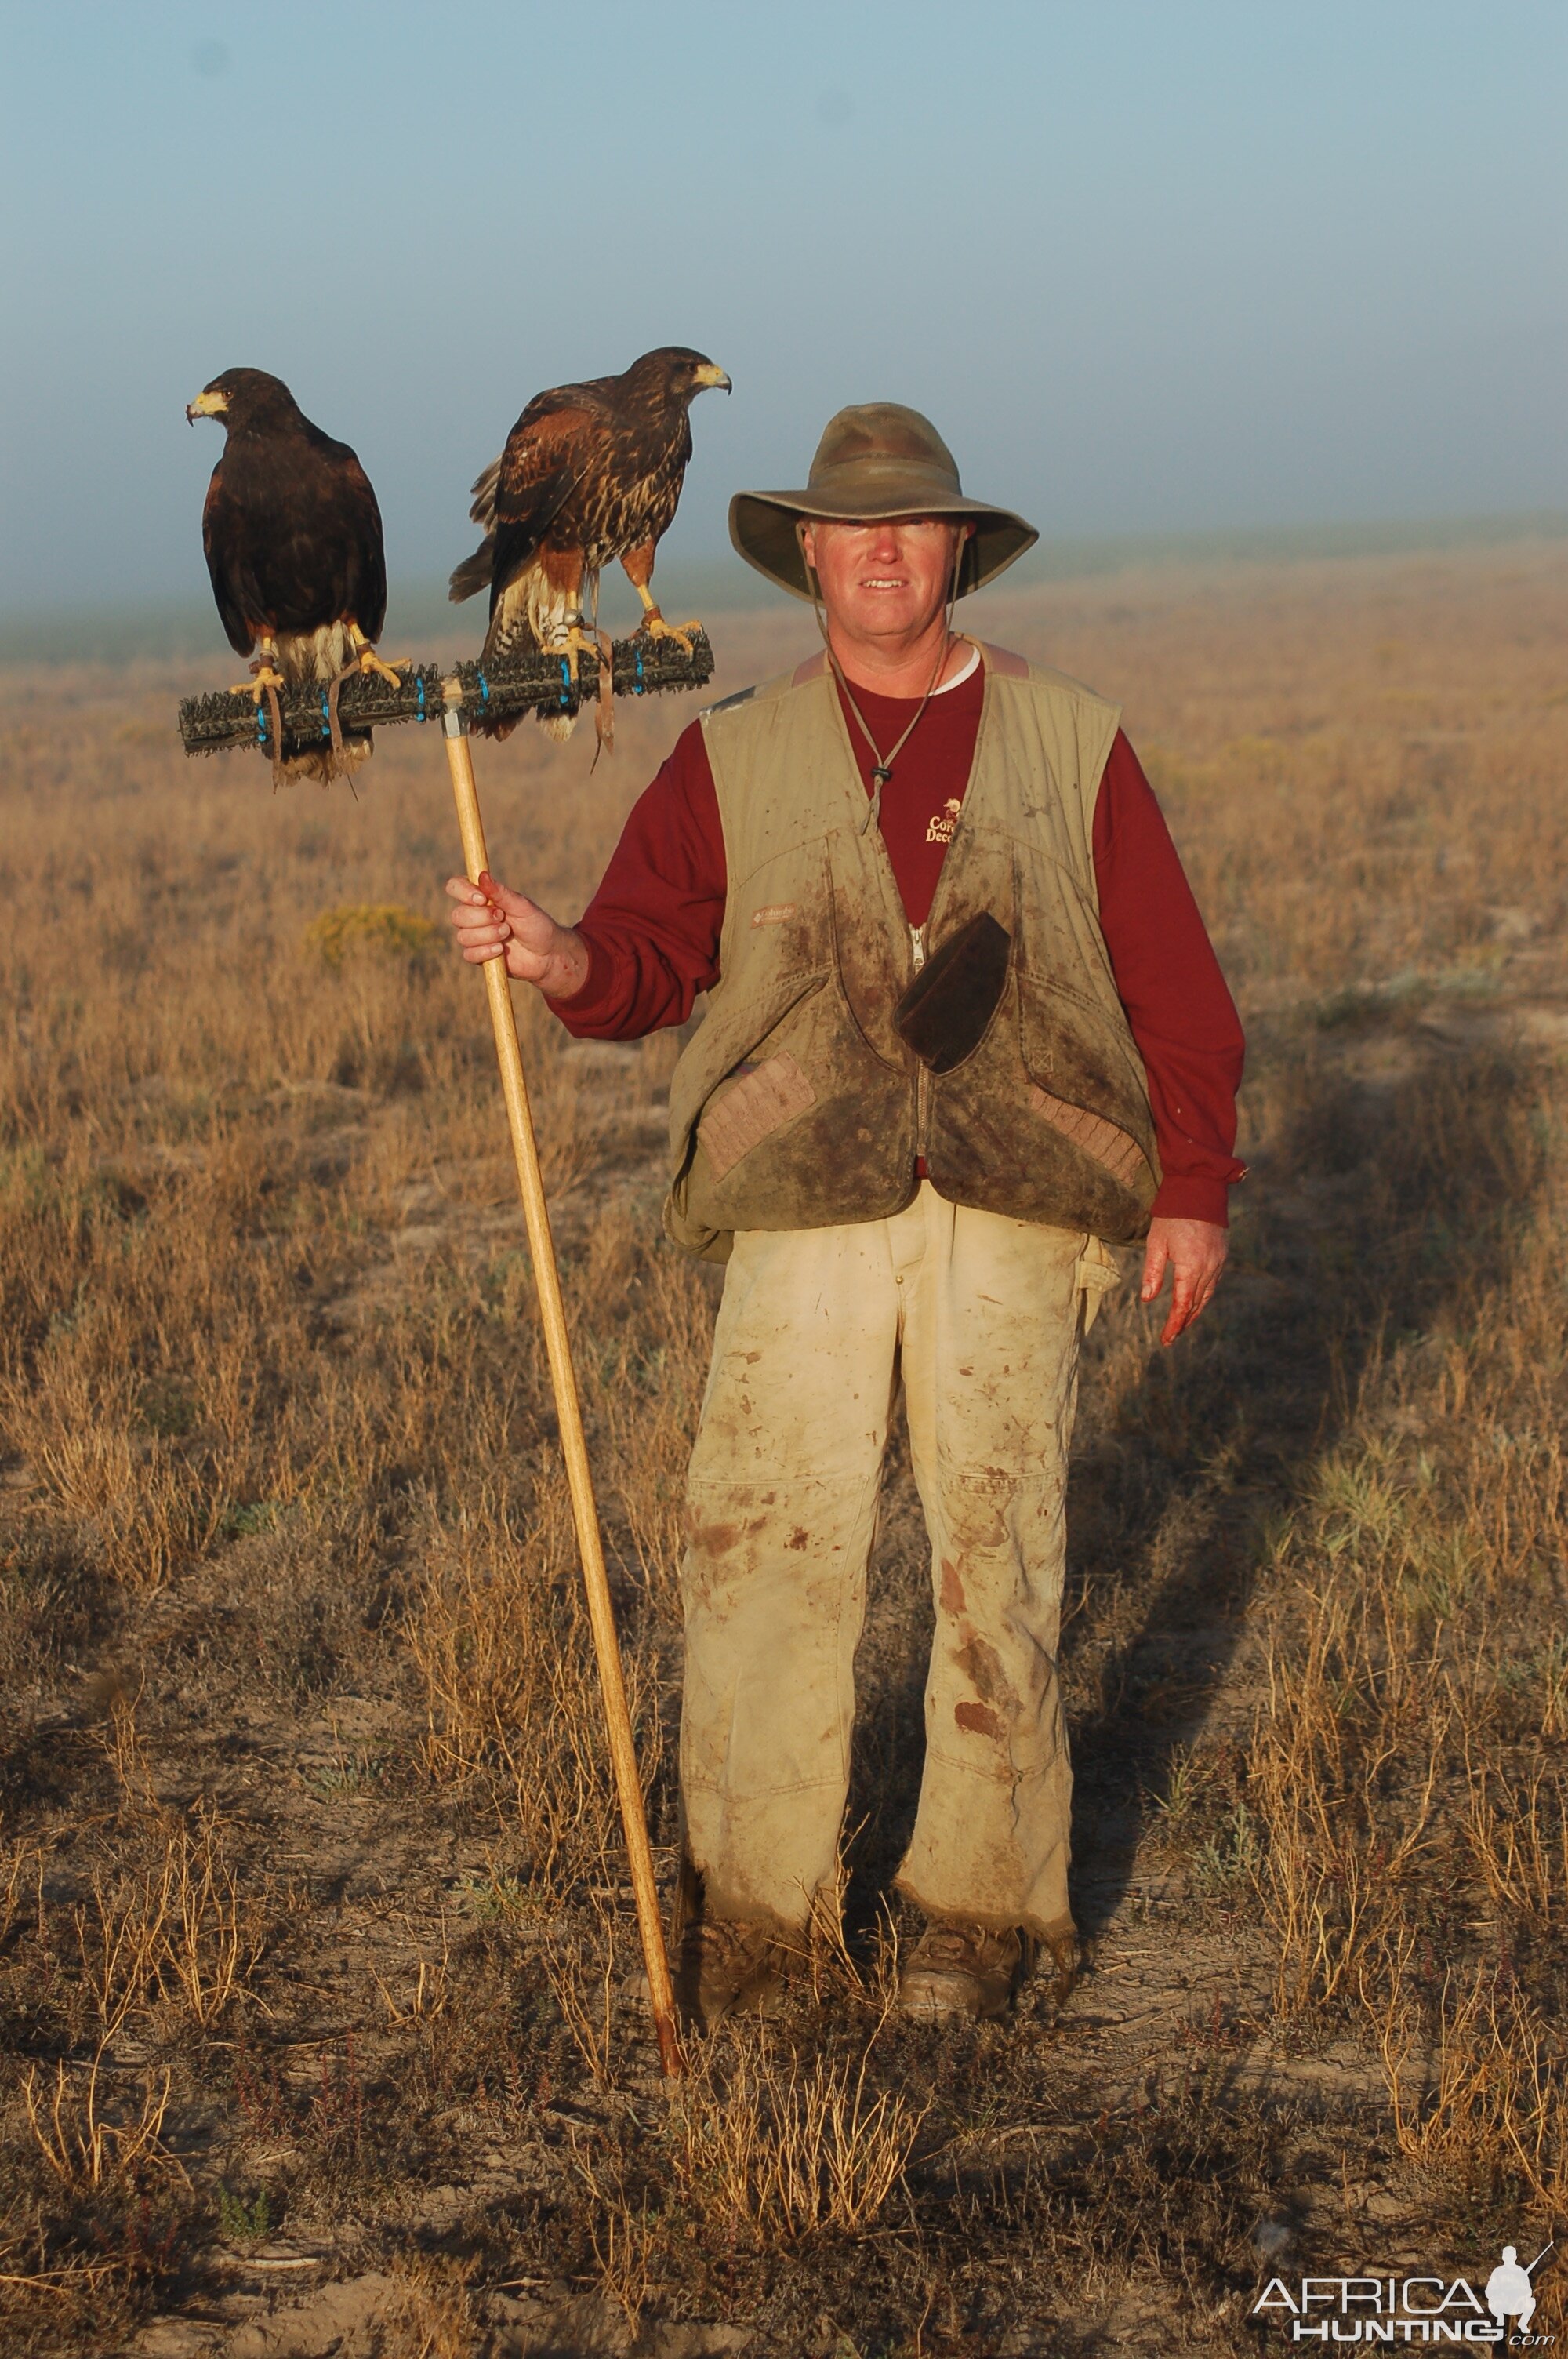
<point x="743" y="1112"/>
<point x="1102" y="1141"/>
<point x="1083" y="1075"/>
<point x="1047" y="1122"/>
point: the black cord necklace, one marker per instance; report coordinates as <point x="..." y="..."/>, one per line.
<point x="883" y="770"/>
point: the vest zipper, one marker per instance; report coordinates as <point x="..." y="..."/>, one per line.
<point x="922" y="1077"/>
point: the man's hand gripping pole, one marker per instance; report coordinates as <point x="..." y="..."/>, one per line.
<point x="568" y="1412"/>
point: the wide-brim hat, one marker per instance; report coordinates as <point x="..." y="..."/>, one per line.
<point x="875" y="461"/>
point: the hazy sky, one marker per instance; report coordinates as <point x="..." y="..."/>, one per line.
<point x="1165" y="266"/>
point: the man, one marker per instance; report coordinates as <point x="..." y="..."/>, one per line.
<point x="905" y="1177"/>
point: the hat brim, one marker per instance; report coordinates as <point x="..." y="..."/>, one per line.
<point x="761" y="530"/>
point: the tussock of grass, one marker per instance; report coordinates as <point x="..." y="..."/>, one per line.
<point x="386" y="929"/>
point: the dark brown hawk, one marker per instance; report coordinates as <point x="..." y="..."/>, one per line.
<point x="590" y="473"/>
<point x="293" y="539"/>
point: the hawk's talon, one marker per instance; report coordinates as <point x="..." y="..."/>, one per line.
<point x="371" y="662"/>
<point x="571" y="642"/>
<point x="263" y="677"/>
<point x="364" y="655"/>
<point x="657" y="627"/>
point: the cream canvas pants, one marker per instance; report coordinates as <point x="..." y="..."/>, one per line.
<point x="982" y="1316"/>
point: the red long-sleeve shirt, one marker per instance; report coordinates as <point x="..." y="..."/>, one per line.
<point x="653" y="927"/>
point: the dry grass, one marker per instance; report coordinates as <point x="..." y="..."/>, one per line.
<point x="81" y="2146"/>
<point x="777" y="2148"/>
<point x="315" y="1948"/>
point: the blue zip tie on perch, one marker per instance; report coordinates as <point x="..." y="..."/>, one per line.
<point x="638" y="688"/>
<point x="326" y="715"/>
<point x="565" y="683"/>
<point x="419" y="683"/>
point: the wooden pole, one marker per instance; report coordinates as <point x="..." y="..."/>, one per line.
<point x="568" y="1412"/>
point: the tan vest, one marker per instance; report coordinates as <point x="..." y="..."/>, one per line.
<point x="796" y="1105"/>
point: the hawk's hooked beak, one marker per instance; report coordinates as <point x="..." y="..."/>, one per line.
<point x="709" y="375"/>
<point x="206" y="405"/>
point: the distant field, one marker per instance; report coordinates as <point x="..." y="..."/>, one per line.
<point x="319" y="2019"/>
<point x="180" y="630"/>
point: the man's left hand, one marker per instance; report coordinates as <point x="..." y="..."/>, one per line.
<point x="1194" y="1252"/>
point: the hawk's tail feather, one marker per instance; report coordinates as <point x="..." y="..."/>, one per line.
<point x="323" y="765"/>
<point x="508" y="635"/>
<point x="473" y="574"/>
<point x="512" y="632"/>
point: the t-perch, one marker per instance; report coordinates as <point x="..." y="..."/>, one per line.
<point x="207" y="724"/>
<point x="537" y="681"/>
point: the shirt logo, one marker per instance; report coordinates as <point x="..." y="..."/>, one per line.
<point x="939" y="827"/>
<point x="774" y="913"/>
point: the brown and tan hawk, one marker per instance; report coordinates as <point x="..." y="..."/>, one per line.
<point x="590" y="473"/>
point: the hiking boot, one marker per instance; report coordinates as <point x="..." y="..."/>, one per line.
<point x="1067" y="1960"/>
<point x="728" y="1966"/>
<point x="958" y="1973"/>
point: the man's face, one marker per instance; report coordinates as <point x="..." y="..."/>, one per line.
<point x="884" y="580"/>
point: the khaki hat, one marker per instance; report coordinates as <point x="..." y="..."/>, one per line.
<point x="875" y="460"/>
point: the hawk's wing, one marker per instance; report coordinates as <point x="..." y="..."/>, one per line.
<point x="556" y="445"/>
<point x="233" y="577"/>
<point x="357" y="518"/>
<point x="293" y="539"/>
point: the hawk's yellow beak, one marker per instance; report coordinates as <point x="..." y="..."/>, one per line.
<point x="209" y="404"/>
<point x="710" y="376"/>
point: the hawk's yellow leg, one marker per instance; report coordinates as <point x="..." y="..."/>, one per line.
<point x="572" y="641"/>
<point x="264" y="673"/>
<point x="655" y="625"/>
<point x="365" y="656"/>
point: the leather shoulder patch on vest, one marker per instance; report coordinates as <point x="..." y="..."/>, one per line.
<point x="1114" y="1150"/>
<point x="741" y="1117"/>
<point x="761" y="691"/>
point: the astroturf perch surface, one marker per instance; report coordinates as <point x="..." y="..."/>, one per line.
<point x="533" y="683"/>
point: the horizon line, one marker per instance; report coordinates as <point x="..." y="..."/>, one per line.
<point x="170" y="625"/>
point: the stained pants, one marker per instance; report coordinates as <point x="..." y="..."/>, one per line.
<point x="982" y="1315"/>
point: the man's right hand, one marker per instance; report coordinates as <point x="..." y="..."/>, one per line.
<point x="493" y="922"/>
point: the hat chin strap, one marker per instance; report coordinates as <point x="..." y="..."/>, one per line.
<point x="883" y="771"/>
